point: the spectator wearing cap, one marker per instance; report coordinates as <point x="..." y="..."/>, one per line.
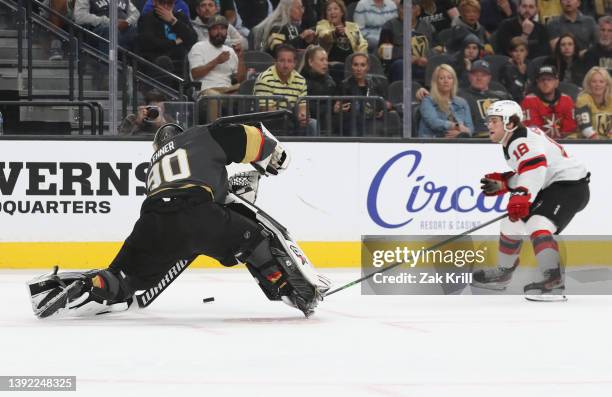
<point x="547" y="108"/>
<point x="471" y="51"/>
<point x="165" y="37"/>
<point x="214" y="64"/>
<point x="513" y="75"/>
<point x="371" y="15"/>
<point x="524" y="25"/>
<point x="479" y="95"/>
<point x="583" y="27"/>
<point x="205" y="10"/>
<point x="466" y="23"/>
<point x="600" y="54"/>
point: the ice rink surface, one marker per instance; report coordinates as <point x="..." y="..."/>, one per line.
<point x="244" y="345"/>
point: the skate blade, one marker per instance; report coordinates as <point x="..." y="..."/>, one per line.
<point x="491" y="286"/>
<point x="546" y="298"/>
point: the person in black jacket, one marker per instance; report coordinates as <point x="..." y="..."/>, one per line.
<point x="315" y="69"/>
<point x="566" y="58"/>
<point x="524" y="25"/>
<point x="365" y="112"/>
<point x="165" y="37"/>
<point x="472" y="51"/>
<point x="600" y="53"/>
<point x="513" y="75"/>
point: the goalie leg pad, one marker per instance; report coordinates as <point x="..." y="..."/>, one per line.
<point x="265" y="269"/>
<point x="278" y="274"/>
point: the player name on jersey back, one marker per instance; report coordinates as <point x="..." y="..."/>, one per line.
<point x="167" y="148"/>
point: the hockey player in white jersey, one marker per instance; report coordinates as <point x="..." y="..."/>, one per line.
<point x="547" y="188"/>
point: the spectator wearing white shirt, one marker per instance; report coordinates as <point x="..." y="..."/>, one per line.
<point x="371" y="15"/>
<point x="214" y="64"/>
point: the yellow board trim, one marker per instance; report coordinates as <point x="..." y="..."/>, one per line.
<point x="323" y="254"/>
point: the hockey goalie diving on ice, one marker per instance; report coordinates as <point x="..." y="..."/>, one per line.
<point x="193" y="209"/>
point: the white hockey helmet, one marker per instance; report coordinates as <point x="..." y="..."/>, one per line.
<point x="505" y="109"/>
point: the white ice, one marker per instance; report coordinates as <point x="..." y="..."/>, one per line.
<point x="244" y="345"/>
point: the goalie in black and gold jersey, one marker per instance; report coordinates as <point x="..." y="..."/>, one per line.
<point x="190" y="211"/>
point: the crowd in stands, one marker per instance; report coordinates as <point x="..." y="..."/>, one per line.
<point x="554" y="57"/>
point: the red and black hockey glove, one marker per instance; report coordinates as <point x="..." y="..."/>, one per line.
<point x="518" y="206"/>
<point x="496" y="183"/>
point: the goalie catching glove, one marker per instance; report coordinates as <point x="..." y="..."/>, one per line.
<point x="496" y="184"/>
<point x="79" y="294"/>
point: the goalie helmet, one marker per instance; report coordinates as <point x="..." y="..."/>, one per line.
<point x="165" y="133"/>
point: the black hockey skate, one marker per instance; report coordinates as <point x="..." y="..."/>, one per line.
<point x="551" y="289"/>
<point x="495" y="279"/>
<point x="305" y="306"/>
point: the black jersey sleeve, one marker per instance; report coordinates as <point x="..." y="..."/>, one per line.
<point x="243" y="143"/>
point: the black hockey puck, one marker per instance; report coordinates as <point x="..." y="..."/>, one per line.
<point x="206" y="300"/>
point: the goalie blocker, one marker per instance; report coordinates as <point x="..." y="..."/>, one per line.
<point x="190" y="213"/>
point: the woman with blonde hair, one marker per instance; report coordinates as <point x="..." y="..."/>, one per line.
<point x="336" y="35"/>
<point x="594" y="104"/>
<point x="443" y="113"/>
<point x="315" y="69"/>
<point x="284" y="26"/>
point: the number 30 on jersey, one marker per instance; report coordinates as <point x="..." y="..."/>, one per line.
<point x="169" y="168"/>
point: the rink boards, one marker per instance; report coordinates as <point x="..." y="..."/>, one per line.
<point x="72" y="202"/>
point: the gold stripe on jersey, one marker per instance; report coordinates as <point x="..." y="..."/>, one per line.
<point x="185" y="186"/>
<point x="254" y="142"/>
<point x="600" y="117"/>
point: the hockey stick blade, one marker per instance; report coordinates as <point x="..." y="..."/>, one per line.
<point x="145" y="298"/>
<point x="546" y="298"/>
